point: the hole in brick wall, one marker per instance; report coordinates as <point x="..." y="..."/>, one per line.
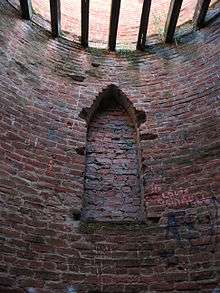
<point x="78" y="78"/>
<point x="69" y="124"/>
<point x="148" y="136"/>
<point x="154" y="220"/>
<point x="141" y="117"/>
<point x="84" y="114"/>
<point x="112" y="174"/>
<point x="76" y="215"/>
<point x="94" y="64"/>
<point x="80" y="151"/>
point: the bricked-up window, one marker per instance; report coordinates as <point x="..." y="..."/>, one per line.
<point x="112" y="190"/>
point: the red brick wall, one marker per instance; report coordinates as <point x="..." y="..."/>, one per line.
<point x="44" y="85"/>
<point x="112" y="184"/>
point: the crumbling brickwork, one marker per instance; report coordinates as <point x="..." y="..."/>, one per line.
<point x="44" y="85"/>
<point x="112" y="184"/>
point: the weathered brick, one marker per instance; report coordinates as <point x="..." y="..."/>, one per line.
<point x="43" y="164"/>
<point x="6" y="281"/>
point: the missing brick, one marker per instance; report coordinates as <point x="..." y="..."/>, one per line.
<point x="76" y="215"/>
<point x="94" y="64"/>
<point x="79" y="78"/>
<point x="148" y="136"/>
<point x="69" y="124"/>
<point x="154" y="220"/>
<point x="80" y="151"/>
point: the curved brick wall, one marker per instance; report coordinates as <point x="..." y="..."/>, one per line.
<point x="44" y="86"/>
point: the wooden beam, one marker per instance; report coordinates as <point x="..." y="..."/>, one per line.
<point x="84" y="23"/>
<point x="173" y="15"/>
<point x="55" y="13"/>
<point x="115" y="11"/>
<point x="143" y="25"/>
<point x="26" y="9"/>
<point x="200" y="13"/>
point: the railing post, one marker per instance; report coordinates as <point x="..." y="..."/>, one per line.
<point x="55" y="13"/>
<point x="200" y="13"/>
<point x="173" y="15"/>
<point x="115" y="12"/>
<point x="84" y="23"/>
<point x="26" y="9"/>
<point x="143" y="25"/>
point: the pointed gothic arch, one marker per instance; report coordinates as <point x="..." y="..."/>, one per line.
<point x="113" y="180"/>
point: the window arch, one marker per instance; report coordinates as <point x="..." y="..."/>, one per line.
<point x="113" y="181"/>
